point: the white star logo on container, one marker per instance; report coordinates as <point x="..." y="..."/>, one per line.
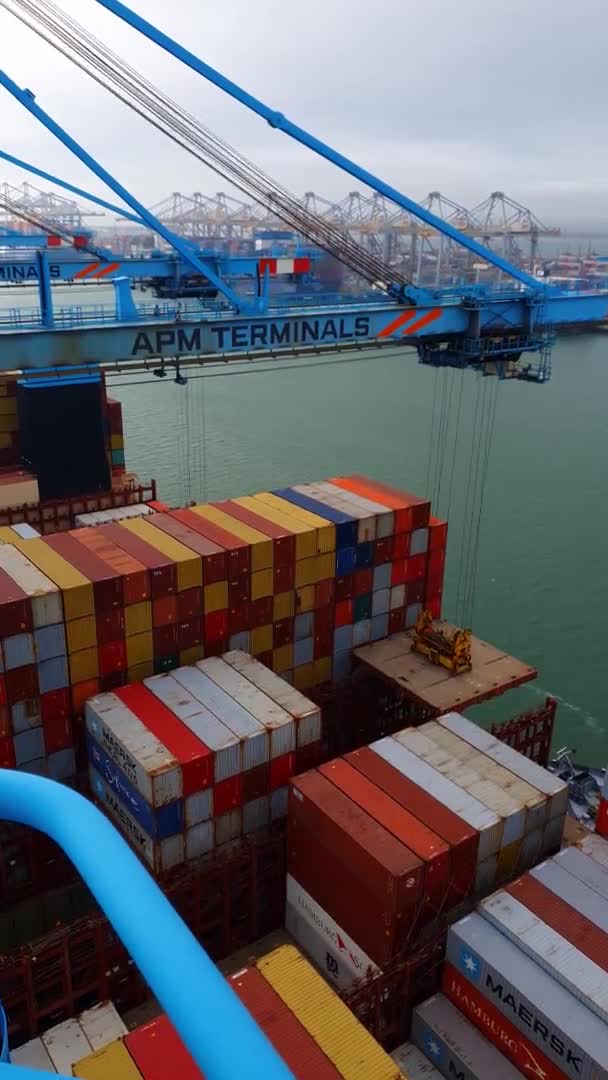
<point x="469" y="963"/>
<point x="432" y="1047"/>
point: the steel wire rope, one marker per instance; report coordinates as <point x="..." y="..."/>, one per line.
<point x="203" y="452"/>
<point x="188" y="410"/>
<point x="446" y="431"/>
<point x="430" y="460"/>
<point x="475" y="519"/>
<point x="466" y="511"/>
<point x="456" y="444"/>
<point x="488" y="450"/>
<point x="234" y="167"/>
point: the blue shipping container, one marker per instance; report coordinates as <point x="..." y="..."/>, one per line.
<point x="159" y="824"/>
<point x="346" y="527"/>
<point x="49" y="642"/>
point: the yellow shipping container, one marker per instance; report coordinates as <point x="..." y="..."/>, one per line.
<point x="112" y="1062"/>
<point x="326" y="531"/>
<point x="81" y="634"/>
<point x="508" y="862"/>
<point x="284" y="606"/>
<point x="3" y="388"/>
<point x="322" y="670"/>
<point x="306" y="572"/>
<point x="5" y="440"/>
<point x="305" y="599"/>
<point x="306" y="535"/>
<point x="282" y="658"/>
<point x="8" y="406"/>
<point x="352" y="1050"/>
<point x="9" y="423"/>
<point x="261" y="639"/>
<point x="189" y="564"/>
<point x="78" y="598"/>
<point x="138" y="618"/>
<point x="261" y="584"/>
<point x="84" y="665"/>
<point x="216" y="597"/>
<point x="304" y="677"/>
<point x="139" y="672"/>
<point x="325" y="566"/>
<point x="190" y="656"/>
<point x="261" y="546"/>
<point x="7" y="535"/>
<point x="140" y="648"/>
<point x="117" y="442"/>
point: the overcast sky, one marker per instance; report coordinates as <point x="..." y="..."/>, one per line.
<point x="461" y="96"/>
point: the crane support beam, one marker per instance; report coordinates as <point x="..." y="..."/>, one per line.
<point x="278" y="120"/>
<point x="26" y="98"/>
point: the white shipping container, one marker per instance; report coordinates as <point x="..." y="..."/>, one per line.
<point x="279" y="724"/>
<point x="256" y="814"/>
<point x="228" y="827"/>
<point x="362" y="632"/>
<point x="224" y="745"/>
<point x="574" y="892"/>
<point x="198" y="807"/>
<point x="455" y="1046"/>
<point x="557" y="956"/>
<point x="338" y="500"/>
<point x="385" y="517"/>
<point x="66" y="1044"/>
<point x="102" y="1025"/>
<point x="18" y="651"/>
<point x="414" y="1065"/>
<point x="556" y="790"/>
<point x="381" y="602"/>
<point x="46" y="599"/>
<point x="485" y="875"/>
<point x="117" y="513"/>
<point x="596" y="848"/>
<point x="25" y="531"/>
<point x="306" y="714"/>
<point x="25" y="715"/>
<point x="419" y="541"/>
<point x="487" y="824"/>
<point x="160" y="855"/>
<point x="278" y="803"/>
<point x="241" y="640"/>
<point x="33" y="1055"/>
<point x="531" y="850"/>
<point x="340" y="958"/>
<point x="49" y="642"/>
<point x="252" y="735"/>
<point x="584" y="868"/>
<point x="200" y="839"/>
<point x="397" y="597"/>
<point x="144" y="760"/>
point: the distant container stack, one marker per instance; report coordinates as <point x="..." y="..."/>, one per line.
<point x="298" y="578"/>
<point x="191" y="760"/>
<point x="411" y="831"/>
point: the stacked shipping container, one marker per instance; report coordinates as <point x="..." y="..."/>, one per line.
<point x="190" y="760"/>
<point x="59" y="1048"/>
<point x="298" y="578"/>
<point x="411" y="830"/>
<point x="312" y="1030"/>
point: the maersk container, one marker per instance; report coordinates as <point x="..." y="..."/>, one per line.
<point x="256" y="814"/>
<point x="102" y="1025"/>
<point x="549" y="1016"/>
<point x="252" y="735"/>
<point x="18" y="651"/>
<point x="49" y="642"/>
<point x="556" y="790"/>
<point x="45" y="597"/>
<point x="413" y="1064"/>
<point x="160" y="855"/>
<point x="550" y="950"/>
<point x="224" y="745"/>
<point x="327" y="944"/>
<point x="160" y="823"/>
<point x="454" y="1046"/>
<point x="487" y="824"/>
<point x="65" y="1044"/>
<point x="62" y="764"/>
<point x="144" y="760"/>
<point x="200" y="839"/>
<point x="584" y="868"/>
<point x="575" y="892"/>
<point x="306" y="714"/>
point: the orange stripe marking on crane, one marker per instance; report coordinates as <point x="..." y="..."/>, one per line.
<point x="107" y="269"/>
<point x="398" y="322"/>
<point x="424" y="321"/>
<point x="86" y="270"/>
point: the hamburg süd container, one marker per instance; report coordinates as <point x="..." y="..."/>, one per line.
<point x="454" y="1046"/>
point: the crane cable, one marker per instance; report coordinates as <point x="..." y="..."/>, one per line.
<point x="98" y="61"/>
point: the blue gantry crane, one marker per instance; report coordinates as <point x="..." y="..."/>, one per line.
<point x="490" y="327"/>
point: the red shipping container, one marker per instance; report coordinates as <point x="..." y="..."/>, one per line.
<point x="107" y="584"/>
<point x="5" y="722"/>
<point x="114" y="679"/>
<point x="383" y="550"/>
<point x="56" y="705"/>
<point x="416" y="567"/>
<point x="436" y="561"/>
<point x="261" y="612"/>
<point x="363" y="582"/>
<point x="308" y="757"/>
<point x="356" y="870"/>
<point x="112" y="658"/>
<point x="165" y="609"/>
<point x="3" y="696"/>
<point x="135" y="577"/>
<point x="325" y="618"/>
<point x="438" y="534"/>
<point x="239" y="619"/>
<point x="82" y="691"/>
<point x="159" y="1053"/>
<point x="282" y="769"/>
<point x="462" y="839"/>
<point x="238" y="552"/>
<point x="190" y="633"/>
<point x="400" y="501"/>
<point x="215" y="627"/>
<point x="189" y="604"/>
<point x="414" y="592"/>
<point x="324" y="593"/>
<point x="284" y="578"/>
<point x="57" y="734"/>
<point x="216" y="648"/>
<point x="110" y="626"/>
<point x="195" y="759"/>
<point x="283" y="542"/>
<point x="239" y="591"/>
<point x="433" y="605"/>
<point x="396" y="620"/>
<point x="586" y="936"/>
<point x="344" y="613"/>
<point x="165" y="640"/>
<point x="290" y="1039"/>
<point x="434" y="582"/>
<point x="282" y="633"/>
<point x="423" y="842"/>
<point x="399" y="572"/>
<point x="214" y="558"/>
<point x="265" y="658"/>
<point x="21" y="684"/>
<point x="344" y="587"/>
<point x="255" y="783"/>
<point x="401" y="545"/>
<point x="162" y="571"/>
<point x="7" y="753"/>
<point x="227" y="795"/>
<point x="323" y="642"/>
<point x="15" y="608"/>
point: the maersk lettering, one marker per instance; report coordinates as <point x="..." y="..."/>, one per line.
<point x="116" y="751"/>
<point x="136" y="835"/>
<point x="454" y="1071"/>
<point x="551" y="1040"/>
